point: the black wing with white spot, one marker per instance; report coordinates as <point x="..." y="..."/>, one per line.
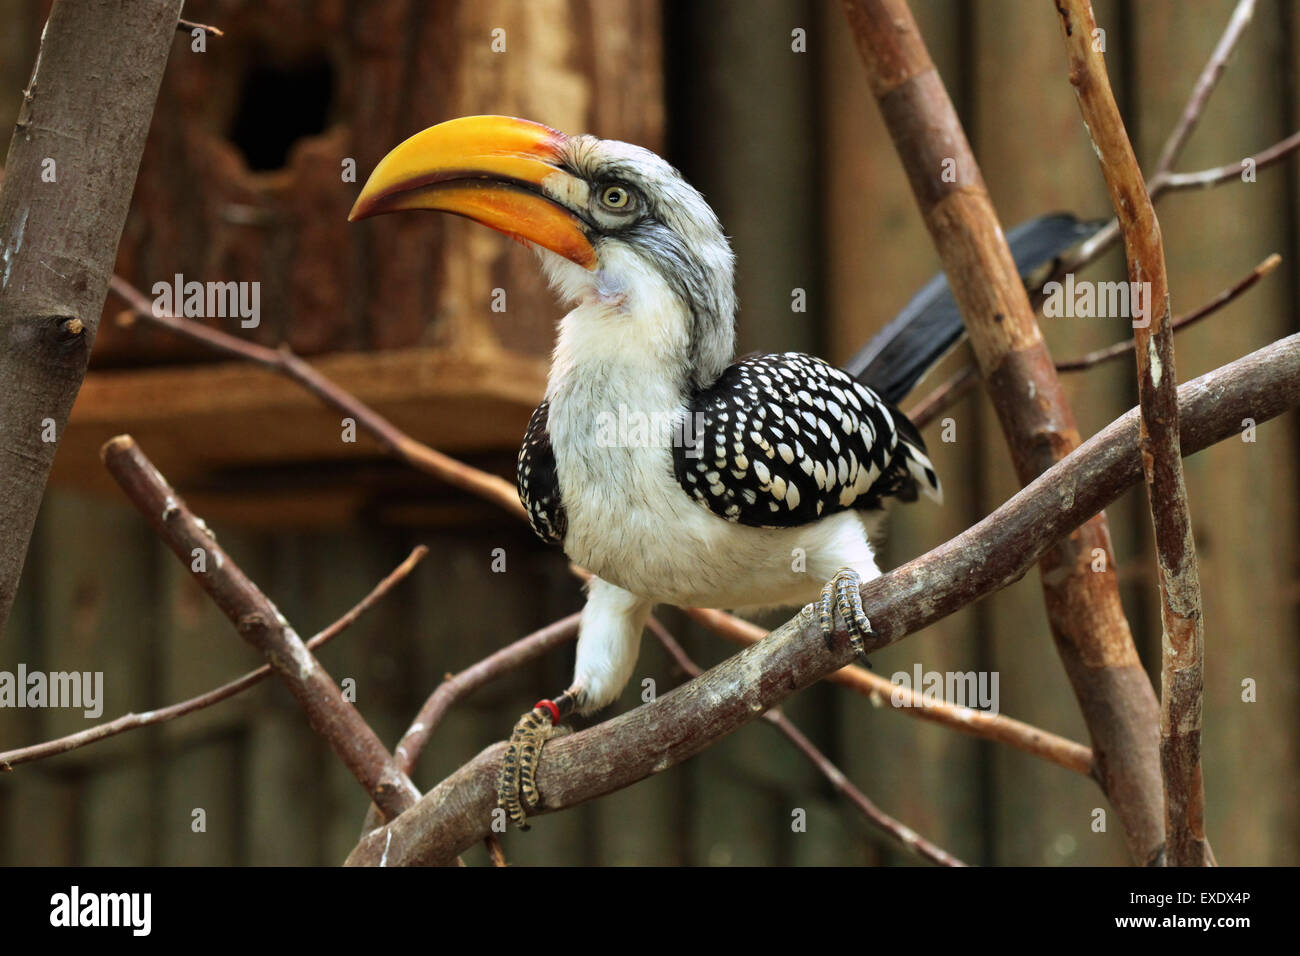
<point x="535" y="477"/>
<point x="784" y="439"/>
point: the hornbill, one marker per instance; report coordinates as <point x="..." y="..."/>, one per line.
<point x="736" y="483"/>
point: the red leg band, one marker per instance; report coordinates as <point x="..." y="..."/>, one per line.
<point x="550" y="705"/>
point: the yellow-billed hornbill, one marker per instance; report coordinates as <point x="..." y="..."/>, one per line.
<point x="725" y="484"/>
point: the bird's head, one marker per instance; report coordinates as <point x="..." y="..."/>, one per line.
<point x="617" y="227"/>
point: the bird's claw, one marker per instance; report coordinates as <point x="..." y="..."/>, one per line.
<point x="842" y="592"/>
<point x="517" y="781"/>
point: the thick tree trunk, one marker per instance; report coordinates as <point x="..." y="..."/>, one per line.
<point x="68" y="180"/>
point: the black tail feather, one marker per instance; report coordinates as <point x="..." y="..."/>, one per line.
<point x="930" y="324"/>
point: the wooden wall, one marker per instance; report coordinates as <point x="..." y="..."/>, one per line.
<point x="790" y="149"/>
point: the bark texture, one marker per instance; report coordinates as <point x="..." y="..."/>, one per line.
<point x="69" y="176"/>
<point x="1182" y="658"/>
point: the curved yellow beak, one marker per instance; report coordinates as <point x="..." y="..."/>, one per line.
<point x="487" y="168"/>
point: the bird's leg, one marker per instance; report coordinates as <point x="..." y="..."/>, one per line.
<point x="517" y="782"/>
<point x="843" y="590"/>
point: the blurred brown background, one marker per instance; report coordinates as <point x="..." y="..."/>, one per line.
<point x="242" y="181"/>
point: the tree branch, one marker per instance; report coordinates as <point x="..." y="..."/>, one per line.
<point x="992" y="554"/>
<point x="260" y="623"/>
<point x="1180" y="589"/>
<point x="83" y="120"/>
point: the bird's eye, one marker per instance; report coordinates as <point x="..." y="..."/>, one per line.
<point x="615" y="197"/>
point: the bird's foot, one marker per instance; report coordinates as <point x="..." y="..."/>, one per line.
<point x="517" y="781"/>
<point x="843" y="592"/>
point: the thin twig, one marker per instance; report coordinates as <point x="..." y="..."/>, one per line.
<point x="904" y="835"/>
<point x="59" y="745"/>
<point x="996" y="727"/>
<point x="512" y="657"/>
<point x="259" y="622"/>
<point x="456" y="686"/>
<point x="189" y="26"/>
<point x="1205" y="178"/>
<point x="1181" y="615"/>
<point x="1114" y="351"/>
<point x="1205" y="84"/>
